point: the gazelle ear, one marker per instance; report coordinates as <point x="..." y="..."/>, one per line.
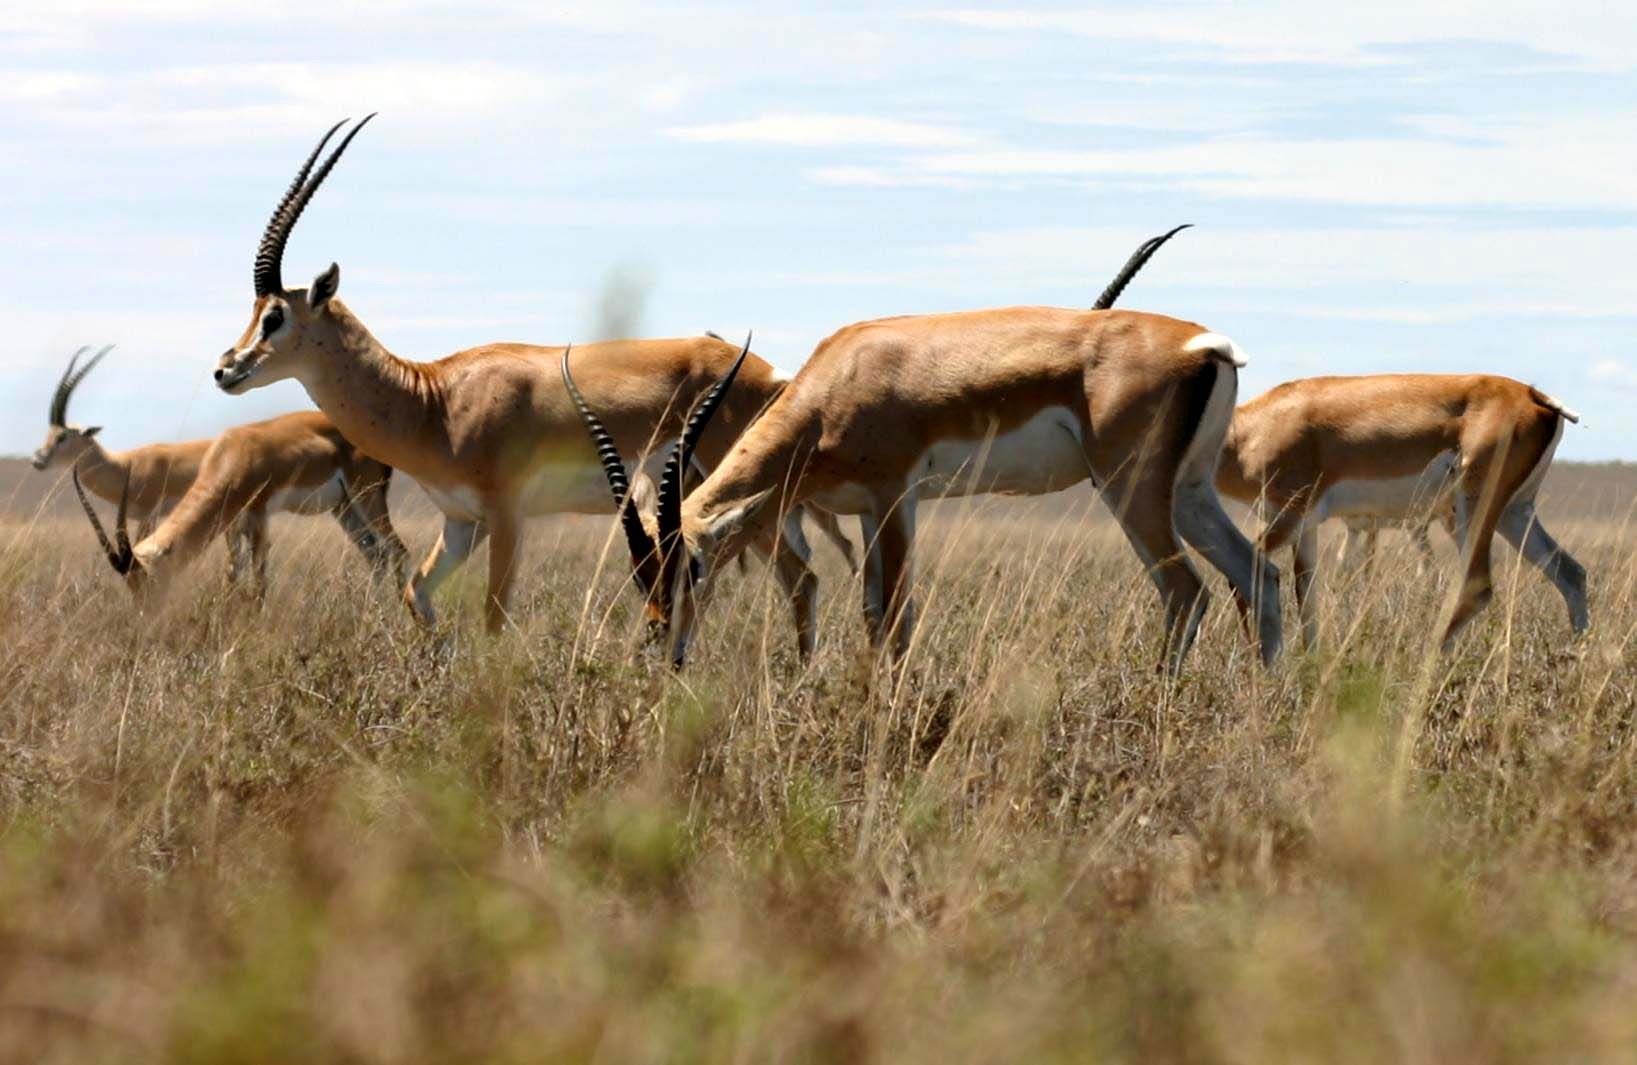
<point x="324" y="287"/>
<point x="90" y="432"/>
<point x="725" y="524"/>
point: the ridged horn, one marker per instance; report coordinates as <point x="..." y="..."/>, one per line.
<point x="59" y="399"/>
<point x="270" y="254"/>
<point x="669" y="506"/>
<point x="119" y="553"/>
<point x="643" y="553"/>
<point x="1138" y="260"/>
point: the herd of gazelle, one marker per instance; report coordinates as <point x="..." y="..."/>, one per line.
<point x="886" y="413"/>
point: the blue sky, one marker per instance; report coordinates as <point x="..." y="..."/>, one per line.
<point x="1377" y="187"/>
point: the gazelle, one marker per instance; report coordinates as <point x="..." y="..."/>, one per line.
<point x="295" y="463"/>
<point x="1293" y="448"/>
<point x="490" y="433"/>
<point x="155" y="476"/>
<point x="1022" y="400"/>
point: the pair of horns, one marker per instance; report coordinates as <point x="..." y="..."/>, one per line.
<point x="654" y="565"/>
<point x="270" y="254"/>
<point x="1139" y="258"/>
<point x="119" y="553"/>
<point x="70" y="380"/>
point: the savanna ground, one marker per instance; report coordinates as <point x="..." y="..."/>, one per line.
<point x="309" y="832"/>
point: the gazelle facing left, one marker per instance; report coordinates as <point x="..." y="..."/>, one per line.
<point x="296" y="463"/>
<point x="1023" y="400"/>
<point x="152" y="478"/>
<point x="490" y="432"/>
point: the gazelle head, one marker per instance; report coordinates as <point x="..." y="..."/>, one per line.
<point x="120" y="555"/>
<point x="671" y="561"/>
<point x="288" y="327"/>
<point x="64" y="442"/>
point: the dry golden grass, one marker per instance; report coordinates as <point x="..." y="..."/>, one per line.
<point x="308" y="832"/>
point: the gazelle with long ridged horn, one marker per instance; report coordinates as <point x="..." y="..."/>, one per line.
<point x="295" y="463"/>
<point x="1294" y="447"/>
<point x="1022" y="400"/>
<point x="490" y="432"/>
<point x="156" y="476"/>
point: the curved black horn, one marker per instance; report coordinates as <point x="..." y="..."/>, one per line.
<point x="122" y="559"/>
<point x="71" y="383"/>
<point x="1138" y="260"/>
<point x="670" y="483"/>
<point x="59" y="398"/>
<point x="636" y="537"/>
<point x="270" y="255"/>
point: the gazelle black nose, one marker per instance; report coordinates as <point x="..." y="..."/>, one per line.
<point x="219" y="373"/>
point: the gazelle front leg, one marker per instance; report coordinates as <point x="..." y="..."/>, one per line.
<point x="1305" y="556"/>
<point x="256" y="526"/>
<point x="503" y="543"/>
<point x="456" y="543"/>
<point x="790" y="556"/>
<point x="889" y="609"/>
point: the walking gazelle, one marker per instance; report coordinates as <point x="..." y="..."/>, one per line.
<point x="295" y="463"/>
<point x="490" y="433"/>
<point x="151" y="478"/>
<point x="1022" y="400"/>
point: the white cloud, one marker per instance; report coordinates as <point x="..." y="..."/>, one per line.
<point x="1360" y="35"/>
<point x="876" y="178"/>
<point x="1527" y="162"/>
<point x="1610" y="373"/>
<point x="828" y="131"/>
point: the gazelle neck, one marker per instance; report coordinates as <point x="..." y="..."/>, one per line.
<point x="102" y="472"/>
<point x="378" y="401"/>
<point x="770" y="455"/>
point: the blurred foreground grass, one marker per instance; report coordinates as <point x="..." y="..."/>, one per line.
<point x="308" y="832"/>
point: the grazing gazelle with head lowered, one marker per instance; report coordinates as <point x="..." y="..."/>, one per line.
<point x="1022" y="400"/>
<point x="490" y="433"/>
<point x="1298" y="448"/>
<point x="295" y="463"/>
<point x="152" y="478"/>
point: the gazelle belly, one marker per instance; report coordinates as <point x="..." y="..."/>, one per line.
<point x="1044" y="454"/>
<point x="1390" y="497"/>
<point x="308" y="499"/>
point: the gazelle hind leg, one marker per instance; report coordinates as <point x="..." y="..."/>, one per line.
<point x="1254" y="578"/>
<point x="1146" y="520"/>
<point x="455" y="545"/>
<point x="1522" y="528"/>
<point x="1489" y="480"/>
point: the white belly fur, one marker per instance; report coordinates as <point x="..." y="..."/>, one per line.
<point x="1391" y="498"/>
<point x="1044" y="454"/>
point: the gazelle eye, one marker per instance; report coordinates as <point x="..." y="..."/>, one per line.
<point x="271" y="321"/>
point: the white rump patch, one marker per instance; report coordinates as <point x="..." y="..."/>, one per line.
<point x="1220" y="346"/>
